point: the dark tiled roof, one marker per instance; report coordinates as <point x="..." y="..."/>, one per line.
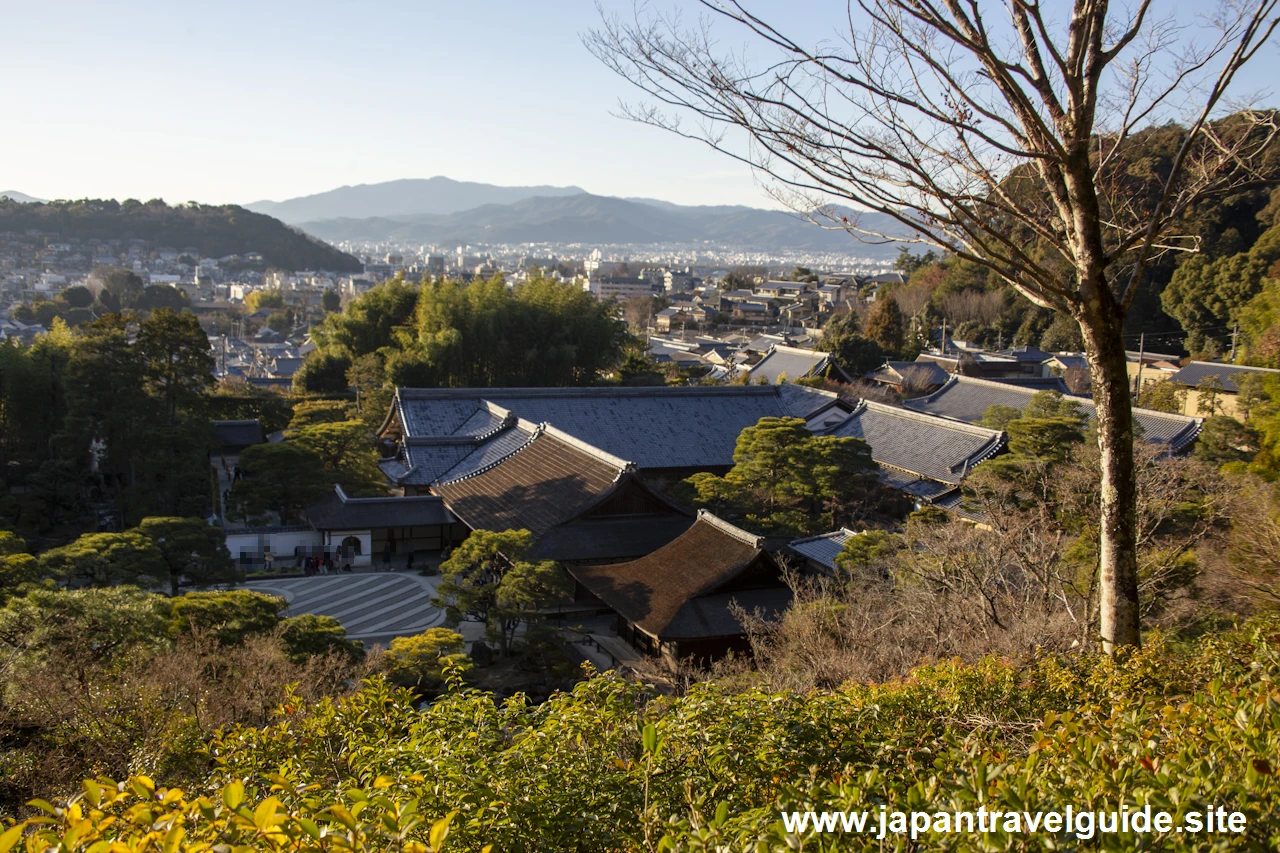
<point x="286" y="366"/>
<point x="339" y="512"/>
<point x="483" y="455"/>
<point x="652" y="592"/>
<point x="660" y="427"/>
<point x="823" y="548"/>
<point x="922" y="373"/>
<point x="1036" y="383"/>
<point x="795" y="363"/>
<point x="1027" y="354"/>
<point x="967" y="399"/>
<point x="931" y="447"/>
<point x="802" y="402"/>
<point x="1197" y="371"/>
<point x="245" y="433"/>
<point x="422" y="464"/>
<point x="551" y="479"/>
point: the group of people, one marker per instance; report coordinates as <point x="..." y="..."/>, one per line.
<point x="313" y="565"/>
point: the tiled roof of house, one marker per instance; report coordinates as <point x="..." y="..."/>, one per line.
<point x="967" y="399"/>
<point x="824" y="547"/>
<point x="1027" y="354"/>
<point x="655" y="591"/>
<point x="1197" y="371"/>
<point x="794" y="362"/>
<point x="920" y="444"/>
<point x="921" y="373"/>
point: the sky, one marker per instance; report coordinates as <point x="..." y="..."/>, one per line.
<point x="241" y="101"/>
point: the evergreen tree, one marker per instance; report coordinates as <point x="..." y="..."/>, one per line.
<point x="886" y="325"/>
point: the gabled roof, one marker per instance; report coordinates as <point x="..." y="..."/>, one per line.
<point x="285" y="366"/>
<point x="824" y="547"/>
<point x="1069" y="360"/>
<point x="339" y="512"/>
<point x="658" y="427"/>
<point x="922" y="373"/>
<point x="1197" y="371"/>
<point x="1027" y="354"/>
<point x="927" y="446"/>
<point x="796" y="363"/>
<point x="965" y="398"/>
<point x="657" y="592"/>
<point x="551" y="479"/>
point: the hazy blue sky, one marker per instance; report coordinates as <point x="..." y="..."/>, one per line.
<point x="240" y="101"/>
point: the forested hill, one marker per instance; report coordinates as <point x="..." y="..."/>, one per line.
<point x="216" y="231"/>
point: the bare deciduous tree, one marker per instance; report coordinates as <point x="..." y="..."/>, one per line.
<point x="972" y="305"/>
<point x="1001" y="142"/>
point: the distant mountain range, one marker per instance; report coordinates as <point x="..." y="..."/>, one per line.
<point x="408" y="197"/>
<point x="443" y="211"/>
<point x="14" y="195"/>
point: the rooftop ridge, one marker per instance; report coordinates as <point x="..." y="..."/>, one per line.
<point x="798" y="350"/>
<point x="830" y="533"/>
<point x="238" y="421"/>
<point x="1235" y="366"/>
<point x="427" y="440"/>
<point x="483" y="394"/>
<point x="730" y="529"/>
<point x="1086" y="402"/>
<point x="621" y="464"/>
<point x="925" y="417"/>
<point x="347" y="499"/>
<point x="537" y="431"/>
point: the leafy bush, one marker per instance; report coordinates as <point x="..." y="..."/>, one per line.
<point x="614" y="766"/>
<point x="422" y="660"/>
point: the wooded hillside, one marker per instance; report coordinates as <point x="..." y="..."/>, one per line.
<point x="216" y="231"/>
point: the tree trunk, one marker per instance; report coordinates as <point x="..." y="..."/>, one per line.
<point x="1102" y="329"/>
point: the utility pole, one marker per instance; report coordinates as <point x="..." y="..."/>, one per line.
<point x="1235" y="333"/>
<point x="944" y="335"/>
<point x="1142" y="349"/>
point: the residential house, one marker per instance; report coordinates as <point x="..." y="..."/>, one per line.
<point x="910" y="378"/>
<point x="794" y="363"/>
<point x="785" y="289"/>
<point x="1210" y="385"/>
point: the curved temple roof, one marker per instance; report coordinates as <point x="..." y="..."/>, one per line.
<point x="966" y="399"/>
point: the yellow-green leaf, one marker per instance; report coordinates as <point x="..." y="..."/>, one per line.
<point x="440" y="831"/>
<point x="233" y="795"/>
<point x="10" y="837"/>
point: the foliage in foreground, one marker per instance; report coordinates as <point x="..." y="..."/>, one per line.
<point x="612" y="766"/>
